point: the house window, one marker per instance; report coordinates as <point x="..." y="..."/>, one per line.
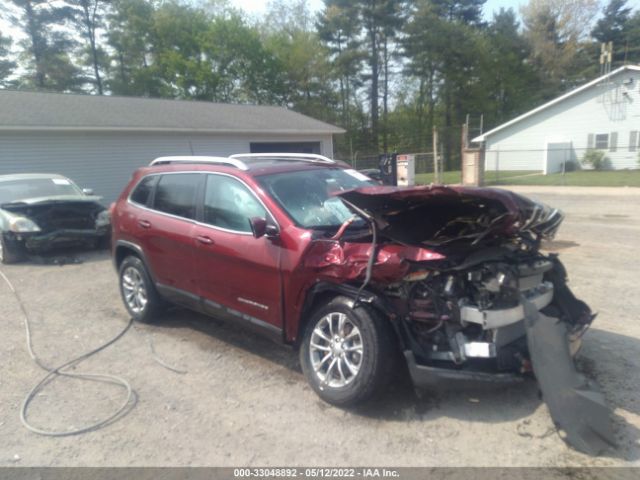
<point x="613" y="142"/>
<point x="633" y="140"/>
<point x="602" y="141"/>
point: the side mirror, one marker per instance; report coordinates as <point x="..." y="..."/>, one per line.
<point x="260" y="227"/>
<point x="87" y="191"/>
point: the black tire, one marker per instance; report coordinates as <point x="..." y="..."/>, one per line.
<point x="10" y="252"/>
<point x="154" y="304"/>
<point x="378" y="354"/>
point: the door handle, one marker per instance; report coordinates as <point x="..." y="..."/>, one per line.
<point x="144" y="223"/>
<point x="204" y="239"/>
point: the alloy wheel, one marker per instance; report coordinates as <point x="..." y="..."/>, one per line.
<point x="134" y="289"/>
<point x="336" y="350"/>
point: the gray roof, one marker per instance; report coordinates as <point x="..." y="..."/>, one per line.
<point x="21" y="110"/>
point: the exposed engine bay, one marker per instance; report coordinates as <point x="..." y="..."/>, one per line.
<point x="471" y="296"/>
<point x="459" y="316"/>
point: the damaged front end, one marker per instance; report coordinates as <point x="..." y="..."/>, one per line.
<point x="46" y="224"/>
<point x="470" y="295"/>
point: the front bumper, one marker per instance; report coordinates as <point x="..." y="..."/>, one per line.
<point x="576" y="404"/>
<point x="425" y="376"/>
<point x="429" y="376"/>
<point x="63" y="237"/>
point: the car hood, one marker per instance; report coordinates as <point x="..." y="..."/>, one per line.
<point x="24" y="203"/>
<point x="438" y="215"/>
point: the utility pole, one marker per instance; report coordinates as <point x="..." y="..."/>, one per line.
<point x="606" y="56"/>
<point x="436" y="166"/>
<point x="441" y="164"/>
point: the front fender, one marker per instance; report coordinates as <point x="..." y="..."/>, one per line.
<point x="327" y="290"/>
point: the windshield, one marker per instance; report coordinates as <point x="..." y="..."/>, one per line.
<point x="16" y="190"/>
<point x="308" y="196"/>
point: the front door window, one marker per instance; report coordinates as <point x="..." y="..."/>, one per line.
<point x="228" y="204"/>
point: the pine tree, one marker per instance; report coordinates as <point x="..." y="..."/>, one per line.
<point x="338" y="28"/>
<point x="45" y="52"/>
<point x="130" y="37"/>
<point x="614" y="27"/>
<point x="510" y="81"/>
<point x="88" y="16"/>
<point x="381" y="20"/>
<point x="7" y="65"/>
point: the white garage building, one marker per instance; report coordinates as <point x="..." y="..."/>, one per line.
<point x="603" y="114"/>
<point x="98" y="141"/>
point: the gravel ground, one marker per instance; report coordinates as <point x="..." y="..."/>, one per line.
<point x="244" y="401"/>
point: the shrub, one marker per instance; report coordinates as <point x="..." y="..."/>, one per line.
<point x="571" y="166"/>
<point x="596" y="159"/>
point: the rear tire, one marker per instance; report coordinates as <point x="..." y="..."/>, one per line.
<point x="139" y="294"/>
<point x="347" y="367"/>
<point x="10" y="252"/>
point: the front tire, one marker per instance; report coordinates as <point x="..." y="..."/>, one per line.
<point x="138" y="292"/>
<point x="10" y="252"/>
<point x="347" y="354"/>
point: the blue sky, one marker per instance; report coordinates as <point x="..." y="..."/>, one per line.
<point x="495" y="5"/>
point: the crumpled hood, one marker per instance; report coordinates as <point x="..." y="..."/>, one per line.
<point x="13" y="206"/>
<point x="439" y="215"/>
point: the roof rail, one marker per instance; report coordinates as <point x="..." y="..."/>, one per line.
<point x="305" y="157"/>
<point x="200" y="159"/>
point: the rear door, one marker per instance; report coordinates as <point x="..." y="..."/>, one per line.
<point x="238" y="275"/>
<point x="165" y="230"/>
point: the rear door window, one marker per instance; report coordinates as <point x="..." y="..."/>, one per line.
<point x="176" y="194"/>
<point x="229" y="204"/>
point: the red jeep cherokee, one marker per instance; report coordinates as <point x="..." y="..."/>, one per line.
<point x="314" y="254"/>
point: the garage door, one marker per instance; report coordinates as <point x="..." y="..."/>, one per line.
<point x="286" y="147"/>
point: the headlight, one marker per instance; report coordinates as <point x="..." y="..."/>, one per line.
<point x="103" y="219"/>
<point x="22" y="225"/>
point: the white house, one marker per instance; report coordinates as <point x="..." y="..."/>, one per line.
<point x="603" y="114"/>
<point x="98" y="141"/>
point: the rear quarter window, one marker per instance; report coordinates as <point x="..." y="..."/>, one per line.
<point x="142" y="193"/>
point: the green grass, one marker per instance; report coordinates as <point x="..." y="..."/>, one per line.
<point x="581" y="178"/>
<point x="449" y="177"/>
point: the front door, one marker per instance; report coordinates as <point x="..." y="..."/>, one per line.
<point x="238" y="275"/>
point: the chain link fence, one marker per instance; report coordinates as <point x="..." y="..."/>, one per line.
<point x="556" y="165"/>
<point x="424" y="165"/>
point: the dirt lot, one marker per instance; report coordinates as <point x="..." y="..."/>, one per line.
<point x="244" y="401"/>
